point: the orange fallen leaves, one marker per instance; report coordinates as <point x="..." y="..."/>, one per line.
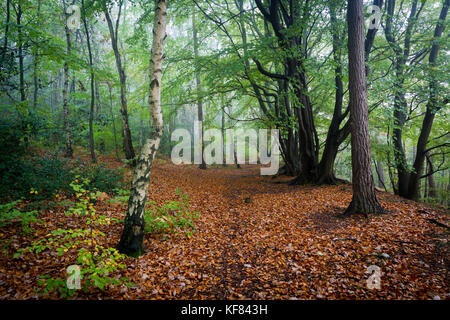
<point x="286" y="243"/>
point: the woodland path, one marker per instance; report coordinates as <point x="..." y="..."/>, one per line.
<point x="285" y="243"/>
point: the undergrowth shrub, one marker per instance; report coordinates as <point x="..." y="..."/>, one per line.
<point x="41" y="177"/>
<point x="172" y="217"/>
<point x="97" y="263"/>
<point x="9" y="214"/>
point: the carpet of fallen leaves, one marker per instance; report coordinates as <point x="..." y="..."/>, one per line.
<point x="256" y="238"/>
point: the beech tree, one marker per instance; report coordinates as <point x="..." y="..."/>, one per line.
<point x="364" y="196"/>
<point x="132" y="239"/>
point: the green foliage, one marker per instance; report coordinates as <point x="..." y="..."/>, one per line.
<point x="9" y="215"/>
<point x="97" y="263"/>
<point x="122" y="196"/>
<point x="171" y="217"/>
<point x="41" y="177"/>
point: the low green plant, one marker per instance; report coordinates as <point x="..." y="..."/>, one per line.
<point x="9" y="214"/>
<point x="122" y="196"/>
<point x="97" y="263"/>
<point x="171" y="217"/>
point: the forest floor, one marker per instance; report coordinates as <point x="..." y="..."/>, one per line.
<point x="283" y="242"/>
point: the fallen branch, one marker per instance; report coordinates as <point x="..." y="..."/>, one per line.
<point x="438" y="223"/>
<point x="345" y="239"/>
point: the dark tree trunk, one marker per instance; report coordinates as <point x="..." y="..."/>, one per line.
<point x="431" y="184"/>
<point x="199" y="89"/>
<point x="116" y="151"/>
<point x="400" y="104"/>
<point x="66" y="124"/>
<point x="126" y="132"/>
<point x="326" y="165"/>
<point x="364" y="196"/>
<point x="433" y="106"/>
<point x="92" y="110"/>
<point x="380" y="174"/>
<point x="132" y="239"/>
<point x="20" y="43"/>
<point x="5" y="40"/>
<point x="36" y="66"/>
<point x="223" y="134"/>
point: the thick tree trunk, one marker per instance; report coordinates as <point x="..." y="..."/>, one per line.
<point x="132" y="239"/>
<point x="364" y="196"/>
<point x="433" y="106"/>
<point x="126" y="132"/>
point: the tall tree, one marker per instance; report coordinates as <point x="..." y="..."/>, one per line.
<point x="91" y="65"/>
<point x="364" y="196"/>
<point x="114" y="33"/>
<point x="19" y="13"/>
<point x="66" y="124"/>
<point x="199" y="89"/>
<point x="401" y="60"/>
<point x="435" y="103"/>
<point x="132" y="239"/>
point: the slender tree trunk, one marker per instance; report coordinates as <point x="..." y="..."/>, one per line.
<point x="20" y="43"/>
<point x="364" y="196"/>
<point x="400" y="103"/>
<point x="113" y="121"/>
<point x="431" y="184"/>
<point x="66" y="124"/>
<point x="92" y="110"/>
<point x="199" y="89"/>
<point x="127" y="141"/>
<point x="223" y="133"/>
<point x="380" y="174"/>
<point x="36" y="66"/>
<point x="433" y="106"/>
<point x="5" y="40"/>
<point x="132" y="239"/>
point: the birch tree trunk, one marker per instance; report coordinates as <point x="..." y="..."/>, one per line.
<point x="364" y="197"/>
<point x="132" y="239"/>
